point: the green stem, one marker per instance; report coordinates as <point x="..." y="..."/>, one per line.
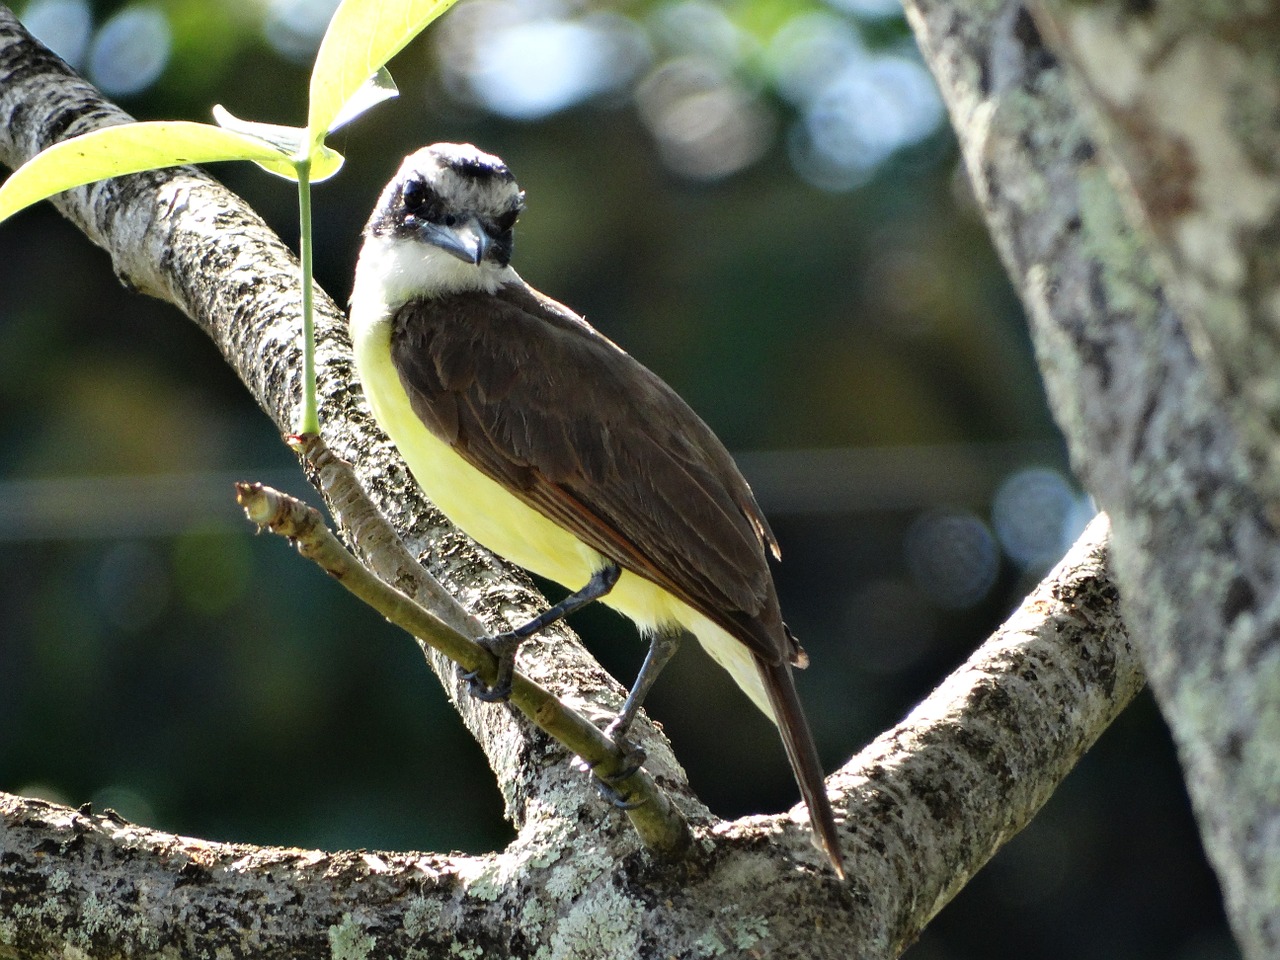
<point x="310" y="422"/>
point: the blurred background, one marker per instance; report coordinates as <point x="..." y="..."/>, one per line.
<point x="761" y="200"/>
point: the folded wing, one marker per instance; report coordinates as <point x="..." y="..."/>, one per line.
<point x="531" y="395"/>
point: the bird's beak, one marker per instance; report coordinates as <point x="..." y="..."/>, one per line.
<point x="467" y="241"/>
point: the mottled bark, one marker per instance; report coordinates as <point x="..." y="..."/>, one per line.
<point x="180" y="236"/>
<point x="446" y="628"/>
<point x="922" y="808"/>
<point x="1187" y="96"/>
<point x="1159" y="436"/>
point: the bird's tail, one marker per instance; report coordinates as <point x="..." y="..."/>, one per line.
<point x="803" y="754"/>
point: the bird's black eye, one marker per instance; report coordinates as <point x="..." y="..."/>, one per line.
<point x="414" y="194"/>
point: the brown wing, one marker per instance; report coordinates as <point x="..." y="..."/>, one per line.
<point x="531" y="395"/>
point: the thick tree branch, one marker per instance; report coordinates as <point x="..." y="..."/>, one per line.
<point x="924" y="807"/>
<point x="657" y="822"/>
<point x="933" y="799"/>
<point x="1189" y="107"/>
<point x="1196" y="557"/>
<point x="180" y="236"/>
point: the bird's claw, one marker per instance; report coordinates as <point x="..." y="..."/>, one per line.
<point x="481" y="691"/>
<point x="607" y="784"/>
<point x="503" y="647"/>
<point x="615" y="797"/>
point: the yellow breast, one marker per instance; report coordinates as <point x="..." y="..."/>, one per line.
<point x="503" y="523"/>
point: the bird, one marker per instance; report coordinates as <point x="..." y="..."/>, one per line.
<point x="550" y="445"/>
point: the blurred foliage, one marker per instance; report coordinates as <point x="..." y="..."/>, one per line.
<point x="757" y="199"/>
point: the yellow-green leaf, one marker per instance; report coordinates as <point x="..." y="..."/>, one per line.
<point x="127" y="148"/>
<point x="372" y="92"/>
<point x="324" y="164"/>
<point x="286" y="140"/>
<point x="362" y="36"/>
<point x="288" y="143"/>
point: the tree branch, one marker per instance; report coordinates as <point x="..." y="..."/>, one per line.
<point x="1197" y="558"/>
<point x="923" y="808"/>
<point x="932" y="800"/>
<point x="180" y="236"/>
<point x="1185" y="105"/>
<point x="659" y="825"/>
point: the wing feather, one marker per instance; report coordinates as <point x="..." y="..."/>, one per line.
<point x="623" y="463"/>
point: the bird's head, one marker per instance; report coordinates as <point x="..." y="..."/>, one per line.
<point x="455" y="200"/>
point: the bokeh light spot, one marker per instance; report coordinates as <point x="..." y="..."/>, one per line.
<point x="810" y="49"/>
<point x="64" y="26"/>
<point x="873" y="107"/>
<point x="127" y="802"/>
<point x="706" y="125"/>
<point x="870" y="9"/>
<point x="952" y="557"/>
<point x="43" y="791"/>
<point x="518" y="60"/>
<point x="294" y="28"/>
<point x="1035" y="514"/>
<point x="704" y="30"/>
<point x="536" y="69"/>
<point x="130" y="51"/>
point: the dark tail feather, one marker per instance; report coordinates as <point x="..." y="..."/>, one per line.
<point x="803" y="755"/>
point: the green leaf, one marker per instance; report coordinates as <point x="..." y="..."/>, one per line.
<point x="372" y="92"/>
<point x="287" y="142"/>
<point x="324" y="164"/>
<point x="362" y="36"/>
<point x="127" y="148"/>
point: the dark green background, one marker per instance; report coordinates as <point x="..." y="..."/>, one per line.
<point x="206" y="682"/>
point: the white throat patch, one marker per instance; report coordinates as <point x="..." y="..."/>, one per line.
<point x="392" y="271"/>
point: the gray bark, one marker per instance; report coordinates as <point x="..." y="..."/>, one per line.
<point x="922" y="808"/>
<point x="1176" y="443"/>
<point x="1187" y="107"/>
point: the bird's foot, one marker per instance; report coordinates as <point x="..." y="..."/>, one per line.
<point x="503" y="646"/>
<point x="634" y="753"/>
<point x="609" y="785"/>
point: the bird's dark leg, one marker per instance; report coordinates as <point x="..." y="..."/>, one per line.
<point x="601" y="582"/>
<point x="662" y="647"/>
<point x="504" y="645"/>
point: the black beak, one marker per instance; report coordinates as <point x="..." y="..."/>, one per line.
<point x="467" y="241"/>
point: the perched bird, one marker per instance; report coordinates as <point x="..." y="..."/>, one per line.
<point x="551" y="446"/>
